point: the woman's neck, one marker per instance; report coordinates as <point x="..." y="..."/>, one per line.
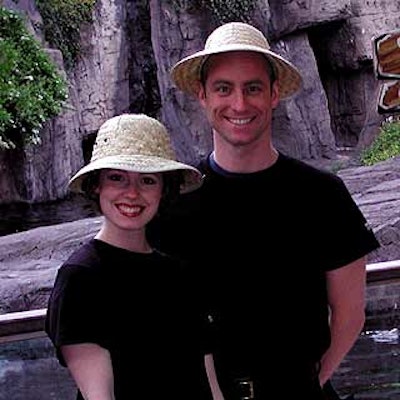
<point x="134" y="241"/>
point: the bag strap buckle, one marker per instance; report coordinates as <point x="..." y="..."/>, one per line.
<point x="246" y="388"/>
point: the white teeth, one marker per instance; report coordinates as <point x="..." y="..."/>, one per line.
<point x="128" y="209"/>
<point x="240" y="121"/>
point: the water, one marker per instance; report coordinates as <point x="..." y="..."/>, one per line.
<point x="371" y="371"/>
<point x="18" y="217"/>
<point x="30" y="371"/>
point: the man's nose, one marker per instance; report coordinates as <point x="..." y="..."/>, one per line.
<point x="239" y="100"/>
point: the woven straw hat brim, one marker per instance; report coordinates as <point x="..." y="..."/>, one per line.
<point x="186" y="72"/>
<point x="142" y="164"/>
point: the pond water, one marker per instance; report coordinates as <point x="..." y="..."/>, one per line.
<point x="371" y="371"/>
<point x="18" y="217"/>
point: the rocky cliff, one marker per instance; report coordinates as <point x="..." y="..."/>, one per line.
<point x="126" y="55"/>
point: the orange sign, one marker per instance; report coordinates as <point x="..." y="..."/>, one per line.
<point x="389" y="97"/>
<point x="387" y="55"/>
<point x="386" y="58"/>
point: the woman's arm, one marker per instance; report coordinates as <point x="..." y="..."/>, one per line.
<point x="212" y="377"/>
<point x="91" y="368"/>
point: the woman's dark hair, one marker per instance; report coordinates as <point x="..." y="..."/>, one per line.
<point x="172" y="181"/>
<point x="89" y="185"/>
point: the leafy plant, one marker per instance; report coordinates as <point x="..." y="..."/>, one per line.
<point x="31" y="89"/>
<point x="230" y="10"/>
<point x="62" y="21"/>
<point x="385" y="146"/>
<point x="222" y="11"/>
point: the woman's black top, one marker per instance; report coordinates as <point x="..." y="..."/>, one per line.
<point x="143" y="309"/>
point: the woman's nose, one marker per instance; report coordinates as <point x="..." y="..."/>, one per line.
<point x="133" y="188"/>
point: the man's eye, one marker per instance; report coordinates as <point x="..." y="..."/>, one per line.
<point x="254" y="89"/>
<point x="222" y="89"/>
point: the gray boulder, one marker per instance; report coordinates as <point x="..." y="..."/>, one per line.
<point x="29" y="260"/>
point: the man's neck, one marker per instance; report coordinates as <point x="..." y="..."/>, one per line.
<point x="243" y="161"/>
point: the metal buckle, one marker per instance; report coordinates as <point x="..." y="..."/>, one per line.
<point x="246" y="388"/>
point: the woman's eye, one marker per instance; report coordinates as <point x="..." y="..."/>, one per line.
<point x="115" y="177"/>
<point x="149" y="180"/>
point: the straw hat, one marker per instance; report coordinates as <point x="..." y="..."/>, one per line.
<point x="136" y="143"/>
<point x="235" y="36"/>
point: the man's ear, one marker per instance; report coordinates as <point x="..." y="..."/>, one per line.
<point x="275" y="94"/>
<point x="201" y="95"/>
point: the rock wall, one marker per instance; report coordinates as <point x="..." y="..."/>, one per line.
<point x="126" y="56"/>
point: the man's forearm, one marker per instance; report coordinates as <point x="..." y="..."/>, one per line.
<point x="343" y="337"/>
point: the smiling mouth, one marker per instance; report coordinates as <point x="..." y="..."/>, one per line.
<point x="130" y="210"/>
<point x="239" y="121"/>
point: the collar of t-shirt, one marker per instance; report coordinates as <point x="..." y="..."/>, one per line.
<point x="220" y="171"/>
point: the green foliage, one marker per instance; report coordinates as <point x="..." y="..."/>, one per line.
<point x="62" y="20"/>
<point x="385" y="146"/>
<point x="221" y="10"/>
<point x="31" y="89"/>
<point x="230" y="10"/>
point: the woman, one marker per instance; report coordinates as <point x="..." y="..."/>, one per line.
<point x="124" y="317"/>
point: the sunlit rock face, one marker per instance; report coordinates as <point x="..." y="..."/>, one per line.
<point x="130" y="47"/>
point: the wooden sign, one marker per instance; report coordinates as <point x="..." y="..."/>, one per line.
<point x="386" y="55"/>
<point x="386" y="58"/>
<point x="389" y="97"/>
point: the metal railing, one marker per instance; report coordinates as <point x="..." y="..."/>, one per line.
<point x="24" y="325"/>
<point x="383" y="271"/>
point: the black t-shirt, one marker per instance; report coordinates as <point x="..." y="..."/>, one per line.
<point x="262" y="243"/>
<point x="143" y="308"/>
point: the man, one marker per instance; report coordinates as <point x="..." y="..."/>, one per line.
<point x="282" y="245"/>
